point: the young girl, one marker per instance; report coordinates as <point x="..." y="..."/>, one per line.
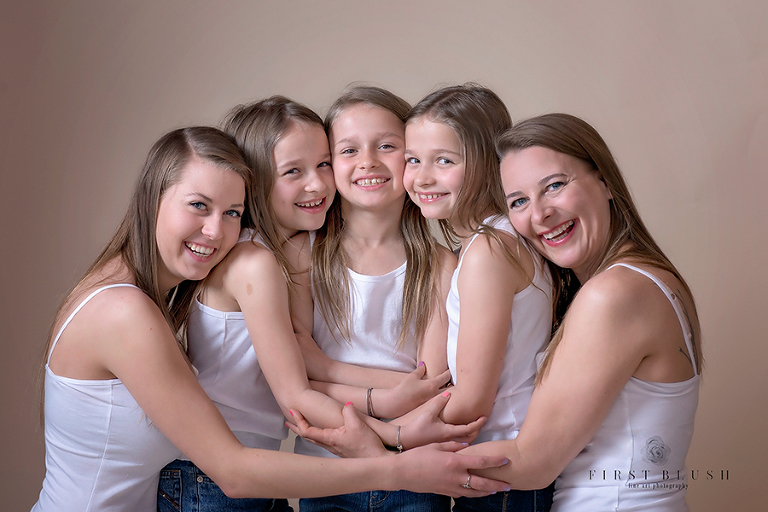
<point x="121" y="400"/>
<point x="377" y="276"/>
<point x="499" y="304"/>
<point x="240" y="335"/>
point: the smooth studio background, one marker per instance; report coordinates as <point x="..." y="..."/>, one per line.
<point x="679" y="90"/>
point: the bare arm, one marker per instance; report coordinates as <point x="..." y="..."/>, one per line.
<point x="142" y="352"/>
<point x="608" y="335"/>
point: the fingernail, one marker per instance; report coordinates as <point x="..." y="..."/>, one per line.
<point x="421" y="363"/>
<point x="447" y="393"/>
<point x="506" y="461"/>
<point x="507" y="489"/>
<point x="348" y="403"/>
<point x="465" y="444"/>
<point x="290" y="411"/>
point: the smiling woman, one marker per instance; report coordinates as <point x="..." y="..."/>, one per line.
<point x="618" y="386"/>
<point x="120" y="398"/>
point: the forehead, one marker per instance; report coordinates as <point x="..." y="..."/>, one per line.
<point x="298" y="135"/>
<point x="529" y="165"/>
<point x="362" y="117"/>
<point x="204" y="177"/>
<point x="423" y="132"/>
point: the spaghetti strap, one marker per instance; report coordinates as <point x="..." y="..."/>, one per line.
<point x="77" y="309"/>
<point x="676" y="305"/>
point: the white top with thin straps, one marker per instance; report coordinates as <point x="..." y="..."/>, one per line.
<point x="102" y="452"/>
<point x="636" y="460"/>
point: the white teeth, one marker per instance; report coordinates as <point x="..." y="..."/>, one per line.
<point x="559" y="231"/>
<point x="199" y="249"/>
<point x="311" y="204"/>
<point x="430" y="196"/>
<point x="368" y="182"/>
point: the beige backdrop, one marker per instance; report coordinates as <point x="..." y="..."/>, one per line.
<point x="678" y="88"/>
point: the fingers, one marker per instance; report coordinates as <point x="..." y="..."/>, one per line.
<point x="444" y="378"/>
<point x="420" y="371"/>
<point x="484" y="461"/>
<point x="480" y="486"/>
<point x="437" y="404"/>
<point x="350" y="417"/>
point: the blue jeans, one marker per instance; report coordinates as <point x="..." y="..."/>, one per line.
<point x="510" y="501"/>
<point x="378" y="501"/>
<point x="184" y="488"/>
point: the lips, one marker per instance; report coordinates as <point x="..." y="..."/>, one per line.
<point x="200" y="250"/>
<point x="370" y="182"/>
<point x="428" y="198"/>
<point x="311" y="204"/>
<point x="558" y="234"/>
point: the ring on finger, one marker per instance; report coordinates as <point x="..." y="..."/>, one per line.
<point x="466" y="484"/>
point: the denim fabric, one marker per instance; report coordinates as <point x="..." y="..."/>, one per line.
<point x="184" y="488"/>
<point x="511" y="501"/>
<point x="378" y="501"/>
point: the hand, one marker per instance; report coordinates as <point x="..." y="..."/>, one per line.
<point x="428" y="427"/>
<point x="437" y="469"/>
<point x="352" y="439"/>
<point x="410" y="393"/>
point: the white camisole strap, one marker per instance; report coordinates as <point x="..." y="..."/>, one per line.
<point x="676" y="304"/>
<point x="78" y="308"/>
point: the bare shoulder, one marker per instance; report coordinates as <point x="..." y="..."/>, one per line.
<point x="110" y="321"/>
<point x="486" y="257"/>
<point x="446" y="259"/>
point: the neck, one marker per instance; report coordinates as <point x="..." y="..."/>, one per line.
<point x="372" y="227"/>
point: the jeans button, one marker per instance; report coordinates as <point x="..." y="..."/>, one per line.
<point x="199" y="479"/>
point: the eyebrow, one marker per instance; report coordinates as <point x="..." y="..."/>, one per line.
<point x="209" y="200"/>
<point x="378" y="136"/>
<point x="540" y="182"/>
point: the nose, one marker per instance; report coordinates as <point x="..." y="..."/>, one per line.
<point x="422" y="175"/>
<point x="540" y="211"/>
<point x="368" y="159"/>
<point x="213" y="228"/>
<point x="314" y="182"/>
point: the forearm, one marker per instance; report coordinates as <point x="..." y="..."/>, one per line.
<point x="523" y="473"/>
<point x="275" y="474"/>
<point x="383" y="403"/>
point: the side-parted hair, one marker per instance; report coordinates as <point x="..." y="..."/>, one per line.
<point x="629" y="238"/>
<point x="257" y="127"/>
<point x="330" y="278"/>
<point x="135" y="242"/>
<point x="477" y="115"/>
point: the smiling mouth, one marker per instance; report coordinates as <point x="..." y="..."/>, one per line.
<point x="559" y="233"/>
<point x="425" y="198"/>
<point x="369" y="182"/>
<point x="200" y="250"/>
<point x="311" y="204"/>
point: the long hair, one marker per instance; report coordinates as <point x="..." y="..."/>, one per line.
<point x="477" y="116"/>
<point x="574" y="137"/>
<point x="257" y="127"/>
<point x="330" y="278"/>
<point x="134" y="242"/>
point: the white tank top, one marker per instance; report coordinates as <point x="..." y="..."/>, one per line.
<point x="221" y="349"/>
<point x="102" y="452"/>
<point x="530" y="327"/>
<point x="636" y="460"/>
<point x="376" y="319"/>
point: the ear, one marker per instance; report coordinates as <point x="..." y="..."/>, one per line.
<point x="606" y="191"/>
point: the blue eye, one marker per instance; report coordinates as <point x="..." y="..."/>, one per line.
<point x="323" y="164"/>
<point x="198" y="205"/>
<point x="233" y="213"/>
<point x="412" y="160"/>
<point x="386" y="146"/>
<point x="517" y="203"/>
<point x="347" y="151"/>
<point x="295" y="170"/>
<point x="555" y="185"/>
<point x="443" y="161"/>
